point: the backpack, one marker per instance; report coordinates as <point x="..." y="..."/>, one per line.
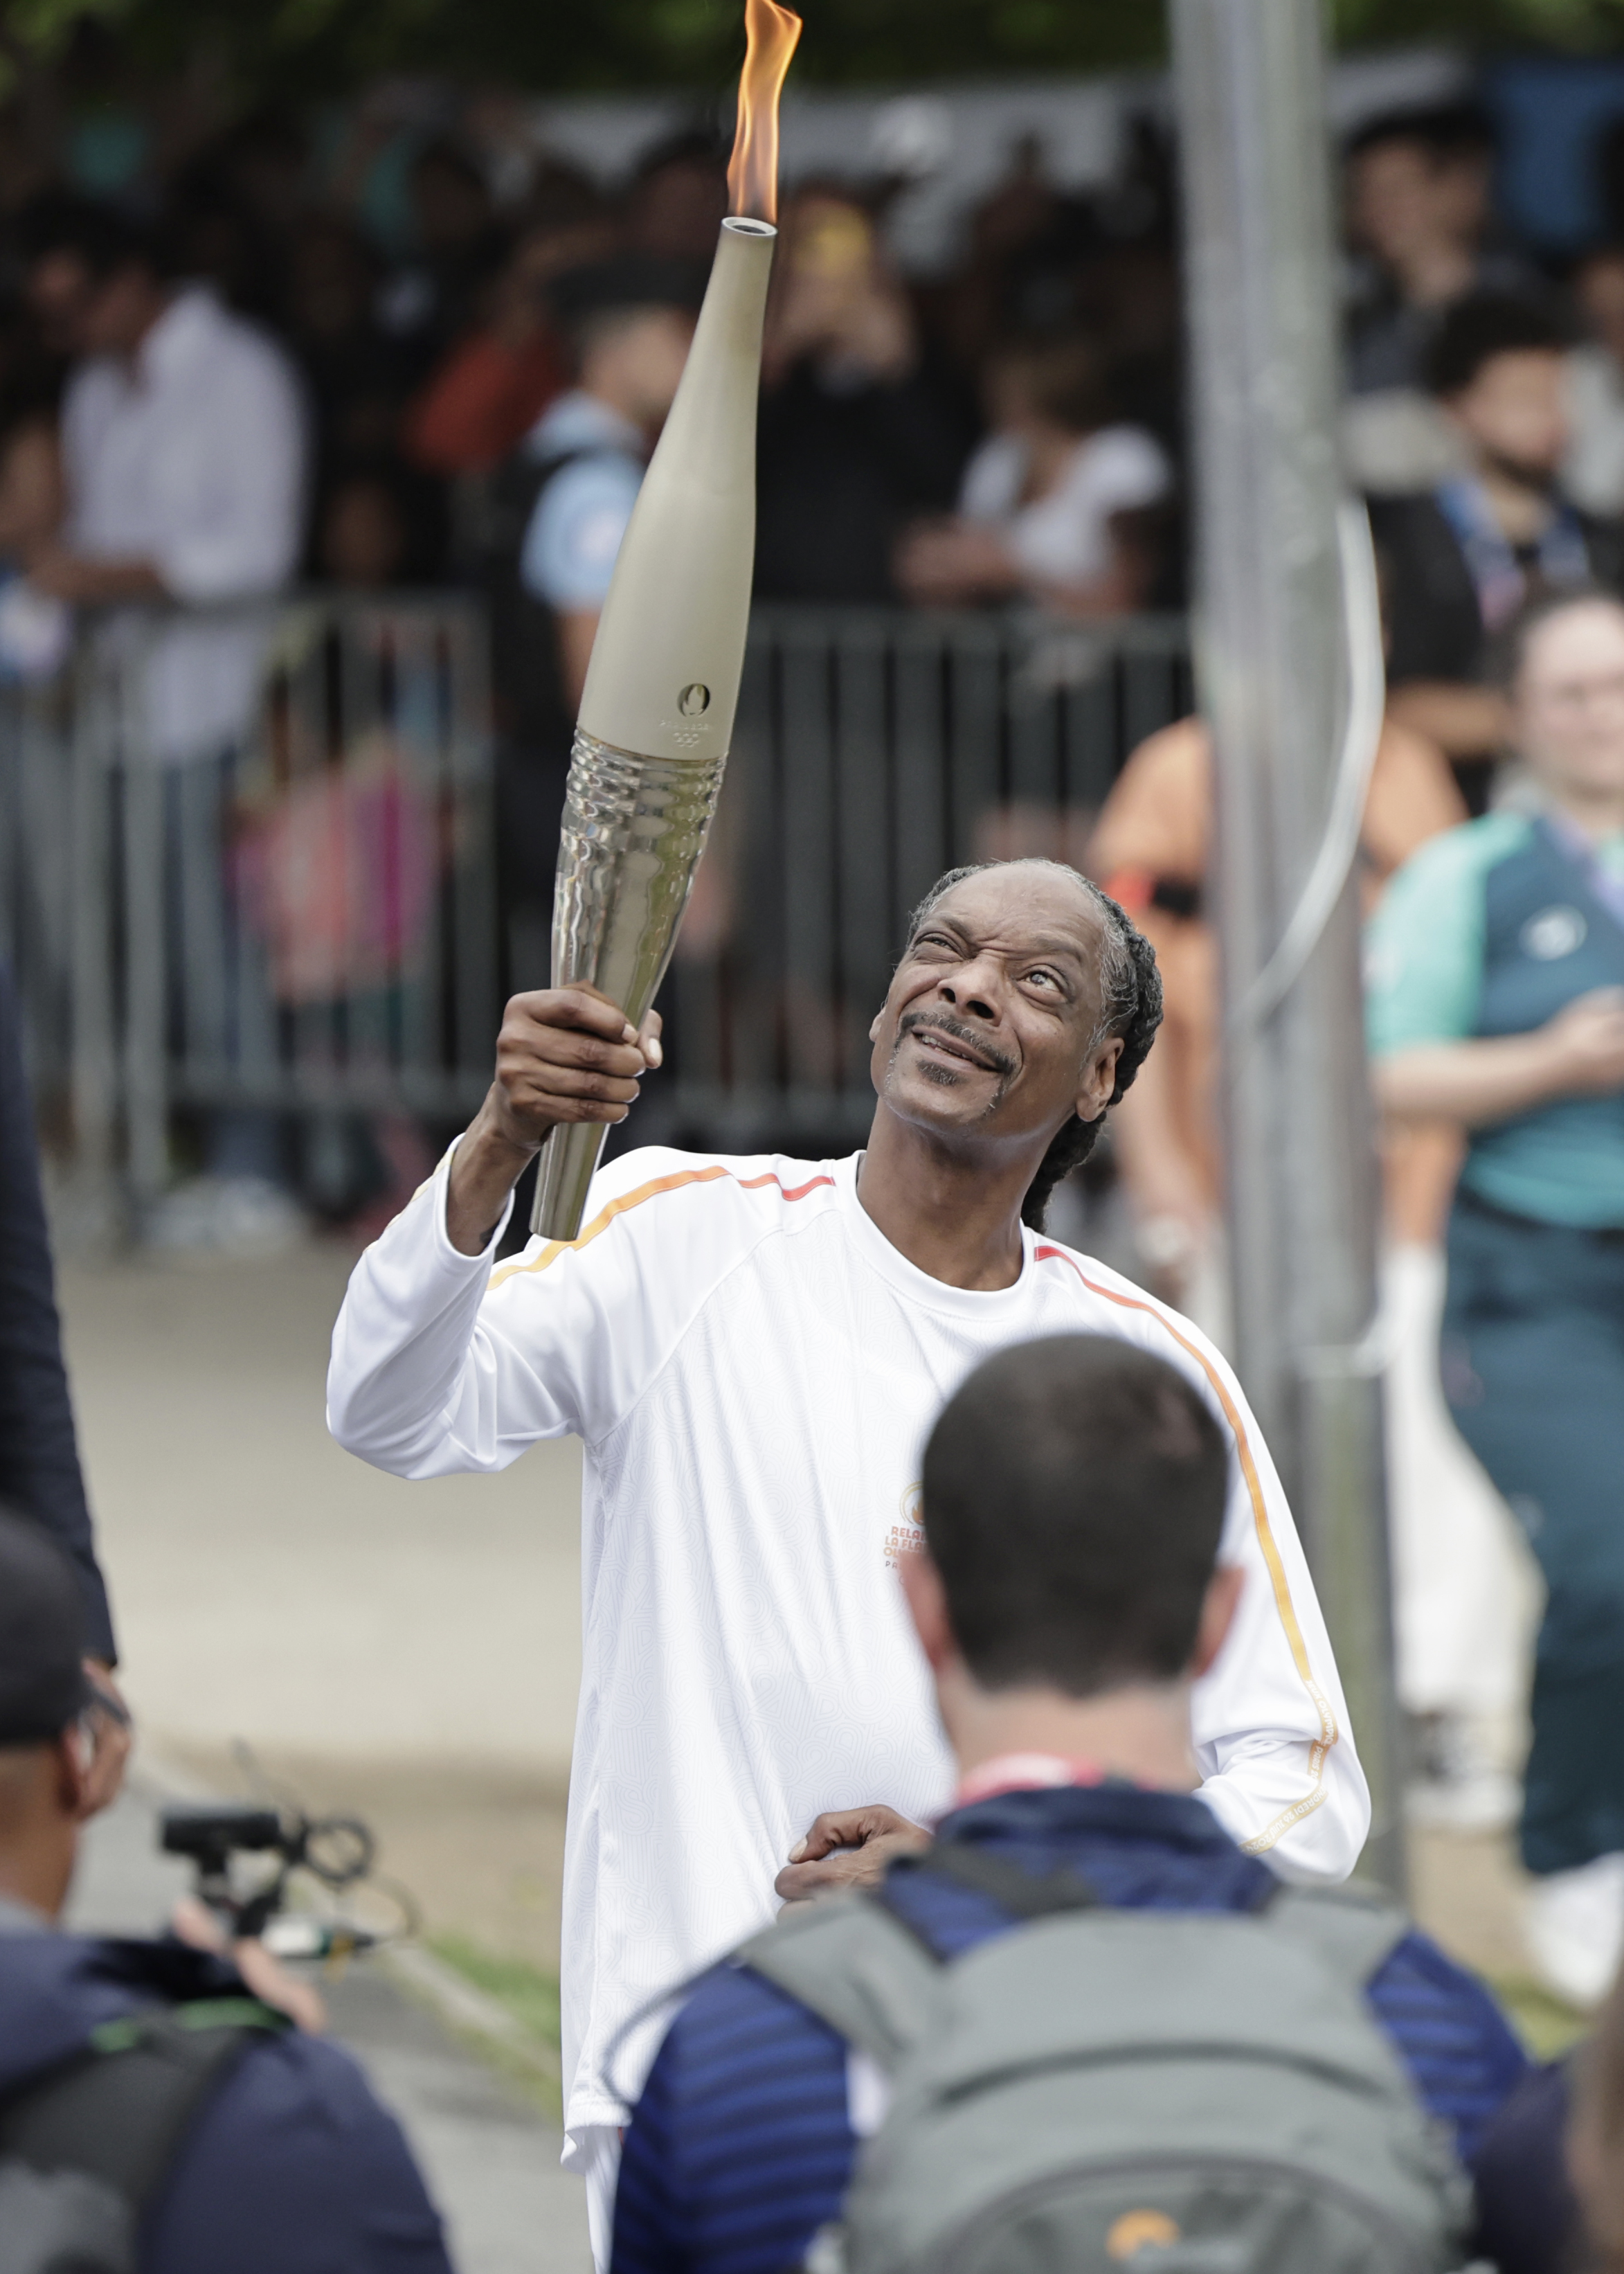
<point x="1190" y="2093"/>
<point x="85" y="2148"/>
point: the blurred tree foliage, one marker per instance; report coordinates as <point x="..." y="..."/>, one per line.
<point x="275" y="47"/>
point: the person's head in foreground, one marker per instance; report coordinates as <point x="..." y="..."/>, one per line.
<point x="1069" y="1598"/>
<point x="1070" y="1593"/>
<point x="1562" y="665"/>
<point x="157" y="2118"/>
<point x="1023" y="1007"/>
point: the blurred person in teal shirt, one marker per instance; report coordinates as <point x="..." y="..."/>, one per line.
<point x="1496" y="986"/>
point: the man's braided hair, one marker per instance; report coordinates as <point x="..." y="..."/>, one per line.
<point x="1130" y="1005"/>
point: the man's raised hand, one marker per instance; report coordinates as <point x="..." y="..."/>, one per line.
<point x="564" y="1054"/>
<point x="848" y="1848"/>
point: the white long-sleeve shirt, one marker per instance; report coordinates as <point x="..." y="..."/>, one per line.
<point x="192" y="456"/>
<point x="753" y="1370"/>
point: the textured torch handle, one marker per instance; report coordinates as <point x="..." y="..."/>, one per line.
<point x="634" y="830"/>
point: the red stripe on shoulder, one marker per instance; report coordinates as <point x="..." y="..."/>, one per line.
<point x="601" y="1222"/>
<point x="755" y="1184"/>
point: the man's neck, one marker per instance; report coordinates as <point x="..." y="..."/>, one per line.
<point x="953" y="1211"/>
<point x="1142" y="1733"/>
<point x="1521" y="507"/>
<point x="32" y="1883"/>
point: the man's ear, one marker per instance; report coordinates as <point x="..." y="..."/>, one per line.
<point x="70" y="1771"/>
<point x="926" y="1601"/>
<point x="1099" y="1079"/>
<point x="1222" y="1602"/>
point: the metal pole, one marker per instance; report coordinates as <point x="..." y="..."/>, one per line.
<point x="1275" y="685"/>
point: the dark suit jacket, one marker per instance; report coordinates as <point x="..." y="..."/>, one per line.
<point x="1434" y="625"/>
<point x="39" y="1457"/>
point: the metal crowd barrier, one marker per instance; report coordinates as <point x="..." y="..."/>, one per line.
<point x="246" y="861"/>
<point x="247" y="857"/>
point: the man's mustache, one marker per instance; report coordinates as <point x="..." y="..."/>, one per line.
<point x="979" y="1047"/>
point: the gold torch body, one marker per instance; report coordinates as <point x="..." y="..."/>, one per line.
<point x="656" y="711"/>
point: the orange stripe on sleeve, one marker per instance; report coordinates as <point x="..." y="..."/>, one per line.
<point x="601" y="1222"/>
<point x="1267" y="1545"/>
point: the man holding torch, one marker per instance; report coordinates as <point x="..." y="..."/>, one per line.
<point x="753" y="1351"/>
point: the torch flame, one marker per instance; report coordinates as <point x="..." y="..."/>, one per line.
<point x="770" y="34"/>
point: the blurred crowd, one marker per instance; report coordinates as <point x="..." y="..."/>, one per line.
<point x="963" y="440"/>
<point x="1010" y="428"/>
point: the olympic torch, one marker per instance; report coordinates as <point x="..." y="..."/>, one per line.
<point x="656" y="711"/>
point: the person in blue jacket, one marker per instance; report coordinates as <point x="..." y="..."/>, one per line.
<point x="1067" y="1598"/>
<point x="1496" y="1001"/>
<point x="289" y="2165"/>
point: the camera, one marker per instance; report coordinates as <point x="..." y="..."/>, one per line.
<point x="339" y="1851"/>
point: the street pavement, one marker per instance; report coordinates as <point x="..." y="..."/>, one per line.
<point x="491" y="2162"/>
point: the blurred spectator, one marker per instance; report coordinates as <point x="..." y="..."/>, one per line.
<point x="183" y="440"/>
<point x="1458" y="560"/>
<point x="40" y="1472"/>
<point x="357" y="378"/>
<point x="199" y="2122"/>
<point x="1417" y="186"/>
<point x="975" y="304"/>
<point x="1496" y="1000"/>
<point x="1593" y="472"/>
<point x="1152" y="849"/>
<point x="1065" y="1598"/>
<point x="558" y="512"/>
<point x="677" y="198"/>
<point x="216" y="237"/>
<point x="1454" y="1579"/>
<point x="184" y="449"/>
<point x="265" y="161"/>
<point x="1056" y="504"/>
<point x="496" y="381"/>
<point x="857" y="434"/>
<point x="457" y="248"/>
<point x="379" y="524"/>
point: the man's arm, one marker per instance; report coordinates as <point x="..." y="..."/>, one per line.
<point x="90" y="583"/>
<point x="1465" y="721"/>
<point x="1273" y="1743"/>
<point x="1580" y="1053"/>
<point x="424" y="1380"/>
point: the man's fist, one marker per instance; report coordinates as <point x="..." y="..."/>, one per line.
<point x="564" y="1054"/>
<point x="848" y="1848"/>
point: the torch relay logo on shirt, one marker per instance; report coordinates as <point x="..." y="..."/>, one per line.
<point x="907" y="1534"/>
